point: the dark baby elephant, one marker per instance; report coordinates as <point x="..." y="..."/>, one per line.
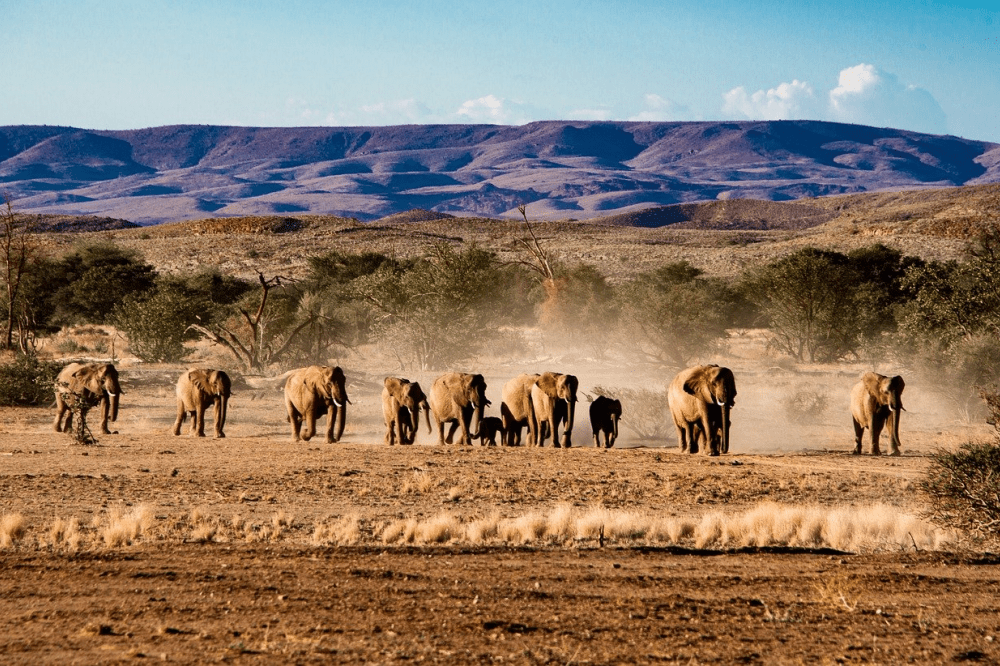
<point x="604" y="415"/>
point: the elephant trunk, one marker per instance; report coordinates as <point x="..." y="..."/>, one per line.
<point x="341" y="420"/>
<point x="725" y="429"/>
<point x="427" y="415"/>
<point x="221" y="407"/>
<point x="567" y="438"/>
<point x="113" y="397"/>
<point x="477" y="420"/>
<point x="894" y="417"/>
<point x="614" y="426"/>
<point x="414" y="421"/>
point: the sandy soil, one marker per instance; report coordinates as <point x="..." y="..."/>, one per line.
<point x="230" y="566"/>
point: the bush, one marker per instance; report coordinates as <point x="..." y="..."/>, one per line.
<point x="157" y="326"/>
<point x="27" y="381"/>
<point x="963" y="491"/>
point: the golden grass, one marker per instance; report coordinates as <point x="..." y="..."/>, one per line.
<point x="865" y="528"/>
<point x="121" y="525"/>
<point x="342" y="531"/>
<point x="12" y="529"/>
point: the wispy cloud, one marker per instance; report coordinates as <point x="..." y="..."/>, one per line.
<point x="864" y="95"/>
<point x="660" y="109"/>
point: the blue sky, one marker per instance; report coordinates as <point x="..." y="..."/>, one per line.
<point x="99" y="64"/>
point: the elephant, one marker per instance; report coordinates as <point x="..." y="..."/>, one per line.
<point x="92" y="381"/>
<point x="402" y="401"/>
<point x="196" y="390"/>
<point x="874" y="400"/>
<point x="553" y="399"/>
<point x="701" y="397"/>
<point x="604" y="415"/>
<point x="489" y="428"/>
<point x="458" y="398"/>
<point x="312" y="391"/>
<point x="516" y="410"/>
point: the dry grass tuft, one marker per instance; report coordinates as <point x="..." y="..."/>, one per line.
<point x="64" y="535"/>
<point x="343" y="531"/>
<point x="120" y="525"/>
<point x="12" y="528"/>
<point x="419" y="482"/>
<point x="839" y="591"/>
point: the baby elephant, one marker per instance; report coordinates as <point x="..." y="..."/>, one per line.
<point x="604" y="415"/>
<point x="488" y="430"/>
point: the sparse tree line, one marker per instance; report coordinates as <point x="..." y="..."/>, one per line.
<point x="455" y="304"/>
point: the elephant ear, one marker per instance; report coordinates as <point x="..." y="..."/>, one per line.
<point x="897" y="384"/>
<point x="220" y="382"/>
<point x="617" y="407"/>
<point x="697" y="385"/>
<point x="337" y="375"/>
<point x="417" y="393"/>
<point x="873" y="384"/>
<point x="199" y="380"/>
<point x="547" y="383"/>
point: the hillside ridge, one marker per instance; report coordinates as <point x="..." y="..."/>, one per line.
<point x="559" y="169"/>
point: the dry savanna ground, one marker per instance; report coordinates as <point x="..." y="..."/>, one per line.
<point x="255" y="549"/>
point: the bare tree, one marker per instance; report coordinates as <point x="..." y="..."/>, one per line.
<point x="16" y="251"/>
<point x="255" y="347"/>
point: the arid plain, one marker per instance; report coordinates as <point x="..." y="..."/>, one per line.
<point x="260" y="550"/>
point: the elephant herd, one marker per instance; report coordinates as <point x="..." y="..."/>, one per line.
<point x="700" y="399"/>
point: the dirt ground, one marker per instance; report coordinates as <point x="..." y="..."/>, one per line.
<point x="232" y="565"/>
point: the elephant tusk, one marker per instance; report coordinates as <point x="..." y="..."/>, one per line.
<point x="336" y="403"/>
<point x="891" y="408"/>
<point x="719" y="403"/>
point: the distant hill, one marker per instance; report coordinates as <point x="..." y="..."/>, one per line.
<point x="562" y="170"/>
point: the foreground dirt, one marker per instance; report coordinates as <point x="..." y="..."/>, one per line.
<point x="219" y="604"/>
<point x="229" y="567"/>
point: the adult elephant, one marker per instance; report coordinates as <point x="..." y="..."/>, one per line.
<point x="311" y="392"/>
<point x="197" y="389"/>
<point x="458" y="398"/>
<point x="516" y="411"/>
<point x="701" y="397"/>
<point x="402" y="401"/>
<point x="553" y="399"/>
<point x="604" y="415"/>
<point x="94" y="382"/>
<point x="874" y="400"/>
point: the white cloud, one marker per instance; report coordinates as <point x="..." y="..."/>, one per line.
<point x="787" y="101"/>
<point x="868" y="96"/>
<point x="493" y="109"/>
<point x="864" y="95"/>
<point x="659" y="109"/>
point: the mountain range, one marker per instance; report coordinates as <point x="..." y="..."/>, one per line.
<point x="559" y="169"/>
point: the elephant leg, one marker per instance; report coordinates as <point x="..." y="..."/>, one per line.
<point x="692" y="438"/>
<point x="309" y="421"/>
<point x="877" y="424"/>
<point x="199" y="422"/>
<point x="390" y="433"/>
<point x="440" y="429"/>
<point x="859" y="432"/>
<point x="452" y="427"/>
<point x="181" y="413"/>
<point x="682" y="442"/>
<point x="105" y="406"/>
<point x="331" y="422"/>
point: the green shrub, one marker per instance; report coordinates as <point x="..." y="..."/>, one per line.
<point x="27" y="381"/>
